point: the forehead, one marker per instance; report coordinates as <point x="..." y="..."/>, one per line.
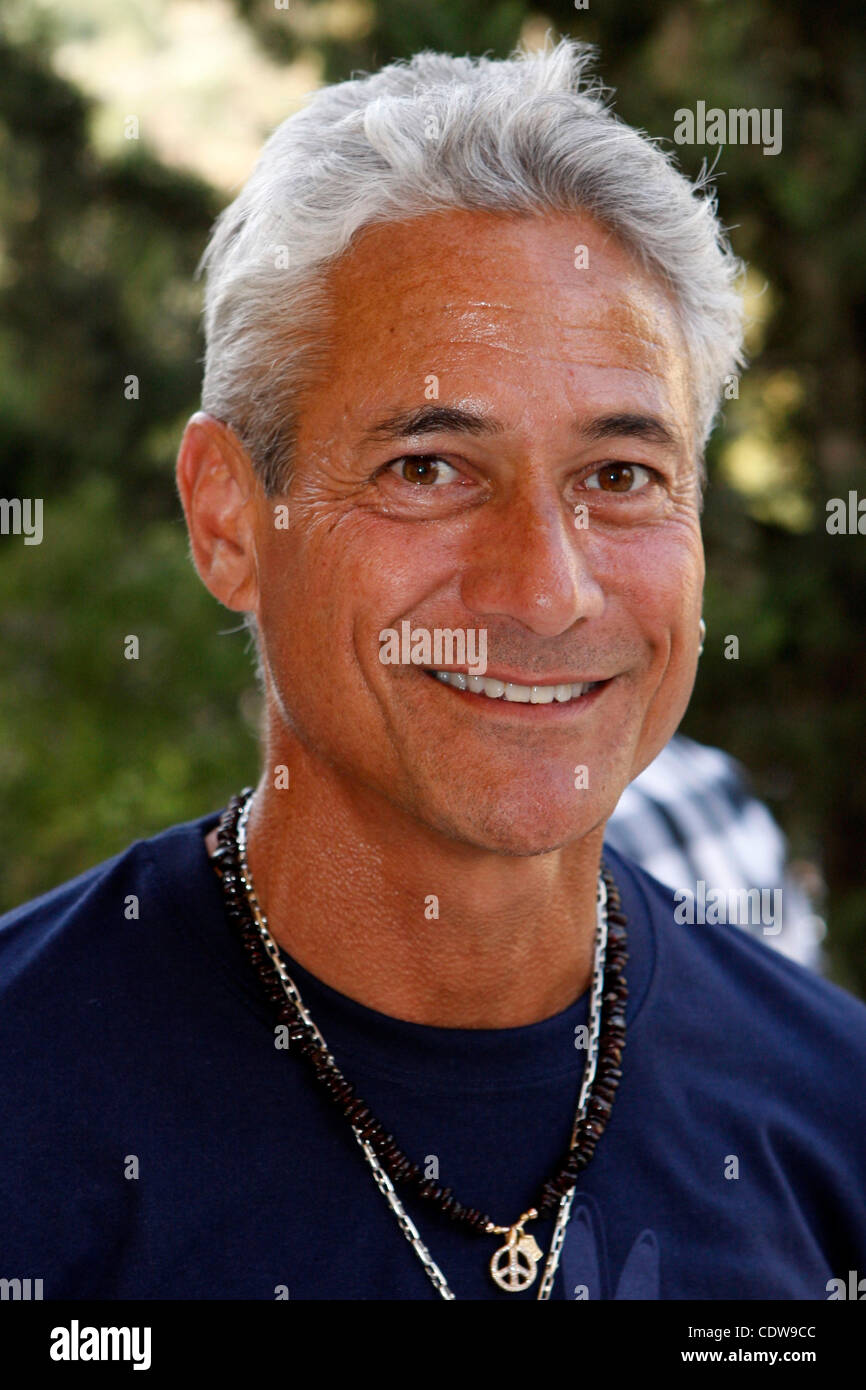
<point x="551" y="305"/>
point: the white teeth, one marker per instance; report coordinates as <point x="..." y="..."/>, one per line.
<point x="515" y="694"/>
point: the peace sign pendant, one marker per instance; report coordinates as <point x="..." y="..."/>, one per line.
<point x="513" y="1267"/>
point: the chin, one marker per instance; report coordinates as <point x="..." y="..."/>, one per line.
<point x="520" y="831"/>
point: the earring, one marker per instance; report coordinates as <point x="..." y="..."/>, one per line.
<point x="702" y="629"/>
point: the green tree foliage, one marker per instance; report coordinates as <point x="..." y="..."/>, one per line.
<point x="97" y="261"/>
<point x="97" y="266"/>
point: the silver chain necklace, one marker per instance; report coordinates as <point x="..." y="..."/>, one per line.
<point x="506" y="1263"/>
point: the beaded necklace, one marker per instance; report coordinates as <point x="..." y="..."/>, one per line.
<point x="513" y="1266"/>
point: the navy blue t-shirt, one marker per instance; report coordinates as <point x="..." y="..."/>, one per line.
<point x="155" y="1143"/>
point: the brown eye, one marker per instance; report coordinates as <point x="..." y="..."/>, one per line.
<point x="424" y="470"/>
<point x="619" y="477"/>
<point x="418" y="471"/>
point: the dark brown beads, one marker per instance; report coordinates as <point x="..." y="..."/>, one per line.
<point x="400" y="1169"/>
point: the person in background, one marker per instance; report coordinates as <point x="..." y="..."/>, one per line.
<point x="690" y="816"/>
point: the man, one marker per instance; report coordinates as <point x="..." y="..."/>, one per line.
<point x="365" y="1035"/>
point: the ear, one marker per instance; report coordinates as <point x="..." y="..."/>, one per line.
<point x="217" y="485"/>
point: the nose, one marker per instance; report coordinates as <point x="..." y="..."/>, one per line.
<point x="528" y="562"/>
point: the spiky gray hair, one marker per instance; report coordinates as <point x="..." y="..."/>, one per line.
<point x="529" y="133"/>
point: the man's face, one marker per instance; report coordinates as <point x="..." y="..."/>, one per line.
<point x="556" y="508"/>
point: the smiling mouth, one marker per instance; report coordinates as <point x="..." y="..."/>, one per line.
<point x="512" y="693"/>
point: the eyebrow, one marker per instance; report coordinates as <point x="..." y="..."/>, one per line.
<point x="436" y="419"/>
<point x="433" y="419"/>
<point x="631" y="426"/>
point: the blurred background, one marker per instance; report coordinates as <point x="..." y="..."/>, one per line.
<point x="124" y="129"/>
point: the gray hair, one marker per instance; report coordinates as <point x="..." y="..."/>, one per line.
<point x="530" y="133"/>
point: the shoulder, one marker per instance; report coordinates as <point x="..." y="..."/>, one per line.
<point x="80" y="919"/>
<point x="719" y="981"/>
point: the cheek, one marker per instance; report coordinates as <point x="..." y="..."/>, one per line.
<point x="331" y="583"/>
<point x="672" y="604"/>
<point x="672" y="598"/>
<point x="660" y="573"/>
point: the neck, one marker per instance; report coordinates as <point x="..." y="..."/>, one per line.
<point x="413" y="924"/>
